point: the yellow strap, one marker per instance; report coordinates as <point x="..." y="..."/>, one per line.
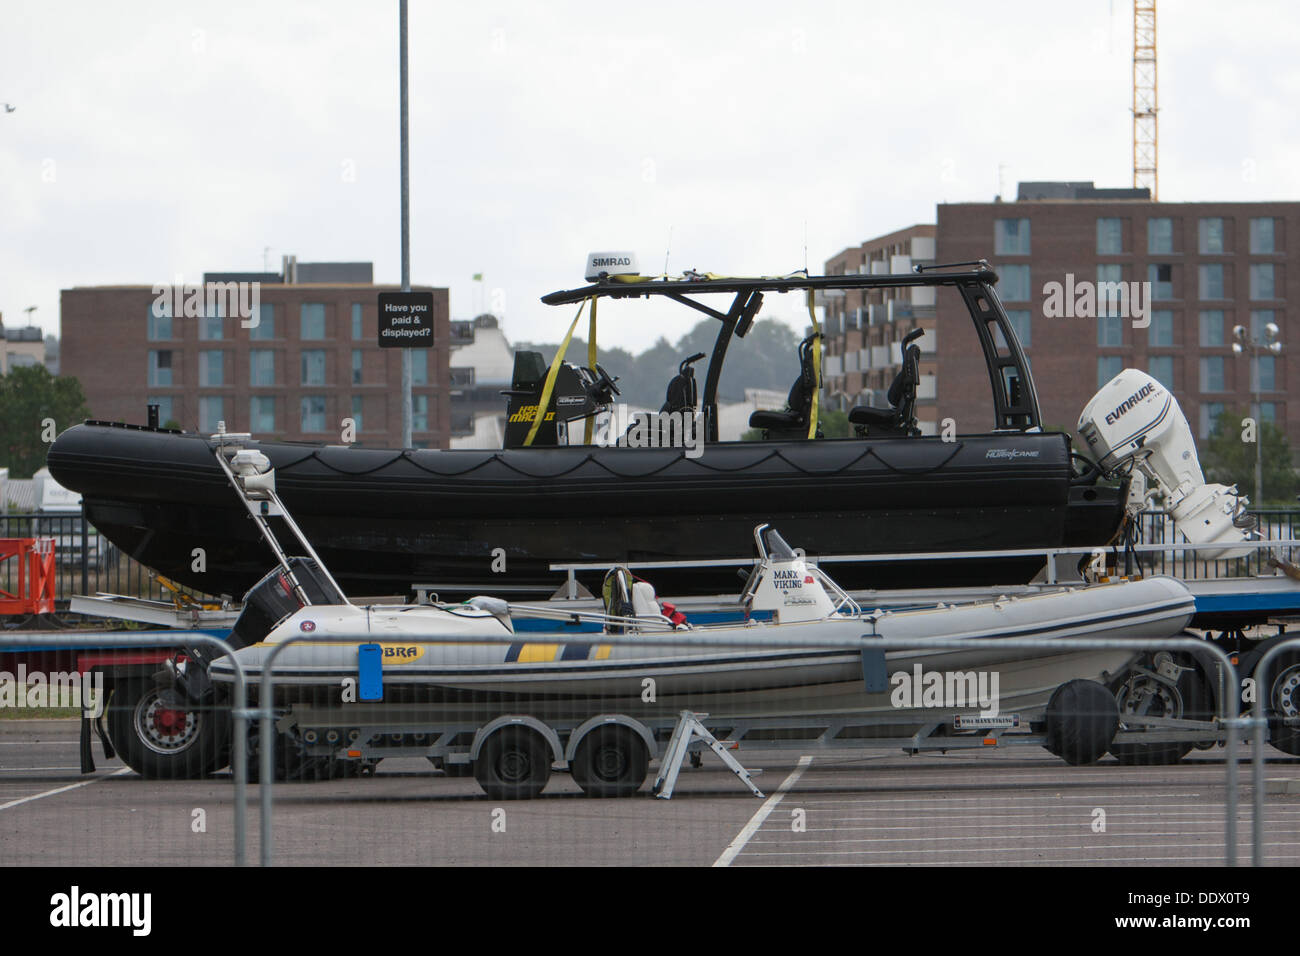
<point x="591" y="364"/>
<point x="817" y="367"/>
<point x="550" y="377"/>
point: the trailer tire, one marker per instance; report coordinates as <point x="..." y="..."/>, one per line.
<point x="610" y="761"/>
<point x="1082" y="719"/>
<point x="1284" y="701"/>
<point x="160" y="740"/>
<point x="514" y="764"/>
<point x="1188" y="699"/>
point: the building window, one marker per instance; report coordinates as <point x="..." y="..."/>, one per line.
<point x="160" y="322"/>
<point x="1261" y="237"/>
<point x="1162" y="370"/>
<point x="1160" y="333"/>
<point x="1210" y="237"/>
<point x="166" y="407"/>
<point x="261" y="414"/>
<point x="1259" y="319"/>
<point x="1011" y="237"/>
<point x="1110" y="237"/>
<point x="356" y="321"/>
<point x="356" y="366"/>
<point x="1110" y="330"/>
<point x="1160" y="236"/>
<point x="1018" y="319"/>
<point x="1210" y="281"/>
<point x="1212" y="374"/>
<point x="1161" y="277"/>
<point x="313" y="413"/>
<point x="261" y="367"/>
<point x="1268" y="412"/>
<point x="265" y="328"/>
<point x="1211" y="328"/>
<point x="313" y="367"/>
<point x="419" y="366"/>
<point x="1108" y="366"/>
<point x="212" y="327"/>
<point x="313" y="321"/>
<point x="419" y="413"/>
<point x="160" y="368"/>
<point x="211" y="412"/>
<point x="357" y="404"/>
<point x="1109" y="278"/>
<point x="1211" y="412"/>
<point x="1261" y="281"/>
<point x="1264" y="374"/>
<point x="212" y="368"/>
<point x="1014" y="286"/>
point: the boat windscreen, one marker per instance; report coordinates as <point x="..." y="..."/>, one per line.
<point x="777" y="546"/>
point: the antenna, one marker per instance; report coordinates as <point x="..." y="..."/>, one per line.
<point x="667" y="250"/>
<point x="805" y="247"/>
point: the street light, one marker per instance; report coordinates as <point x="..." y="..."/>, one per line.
<point x="1267" y="342"/>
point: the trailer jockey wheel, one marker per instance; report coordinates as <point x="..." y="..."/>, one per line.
<point x="514" y="764"/>
<point x="161" y="736"/>
<point x="611" y="761"/>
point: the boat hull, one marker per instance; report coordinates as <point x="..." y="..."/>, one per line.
<point x="384" y="520"/>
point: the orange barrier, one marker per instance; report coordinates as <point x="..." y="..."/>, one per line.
<point x="35" y="576"/>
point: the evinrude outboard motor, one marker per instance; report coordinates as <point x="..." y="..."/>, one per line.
<point x="1134" y="426"/>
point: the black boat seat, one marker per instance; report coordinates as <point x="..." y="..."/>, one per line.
<point x="899" y="419"/>
<point x="792" y="422"/>
<point x="683" y="392"/>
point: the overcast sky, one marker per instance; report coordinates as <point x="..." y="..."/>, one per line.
<point x="152" y="140"/>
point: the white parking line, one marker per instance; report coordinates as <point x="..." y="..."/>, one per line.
<point x="71" y="786"/>
<point x="756" y="821"/>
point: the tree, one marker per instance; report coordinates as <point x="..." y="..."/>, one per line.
<point x="34" y="406"/>
<point x="1229" y="458"/>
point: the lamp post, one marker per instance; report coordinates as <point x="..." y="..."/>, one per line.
<point x="1266" y="342"/>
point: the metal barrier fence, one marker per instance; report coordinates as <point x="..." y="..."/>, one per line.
<point x="85" y="561"/>
<point x="240" y="712"/>
<point x="1157" y="528"/>
<point x="1229" y="718"/>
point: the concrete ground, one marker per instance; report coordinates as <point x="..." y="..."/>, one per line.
<point x="1009" y="806"/>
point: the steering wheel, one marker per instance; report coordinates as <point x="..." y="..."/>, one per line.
<point x="606" y="381"/>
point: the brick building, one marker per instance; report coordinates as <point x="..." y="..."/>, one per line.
<point x="1211" y="267"/>
<point x="311" y="361"/>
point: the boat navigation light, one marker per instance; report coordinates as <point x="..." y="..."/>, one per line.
<point x="603" y="264"/>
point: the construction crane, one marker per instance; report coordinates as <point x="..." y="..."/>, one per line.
<point x="1145" y="141"/>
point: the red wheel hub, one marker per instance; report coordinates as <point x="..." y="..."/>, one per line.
<point x="169" y="723"/>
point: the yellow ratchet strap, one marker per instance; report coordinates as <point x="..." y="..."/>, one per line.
<point x="817" y="367"/>
<point x="550" y="376"/>
<point x="591" y="364"/>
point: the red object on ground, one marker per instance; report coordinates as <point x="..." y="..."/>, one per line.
<point x="34" y="576"/>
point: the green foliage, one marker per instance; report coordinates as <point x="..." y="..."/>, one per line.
<point x="765" y="358"/>
<point x="28" y="396"/>
<point x="1227" y="458"/>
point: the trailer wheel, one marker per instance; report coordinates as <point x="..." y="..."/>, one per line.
<point x="514" y="764"/>
<point x="611" y="761"/>
<point x="1284" y="701"/>
<point x="162" y="737"/>
<point x="1081" y="721"/>
<point x="1188" y="698"/>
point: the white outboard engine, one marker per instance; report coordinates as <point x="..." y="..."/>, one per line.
<point x="1134" y="425"/>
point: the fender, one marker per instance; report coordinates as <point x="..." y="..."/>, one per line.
<point x="601" y="720"/>
<point x="517" y="720"/>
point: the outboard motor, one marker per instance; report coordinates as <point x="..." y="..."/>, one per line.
<point x="578" y="393"/>
<point x="1134" y="426"/>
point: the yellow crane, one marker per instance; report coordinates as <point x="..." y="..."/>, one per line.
<point x="1145" y="140"/>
